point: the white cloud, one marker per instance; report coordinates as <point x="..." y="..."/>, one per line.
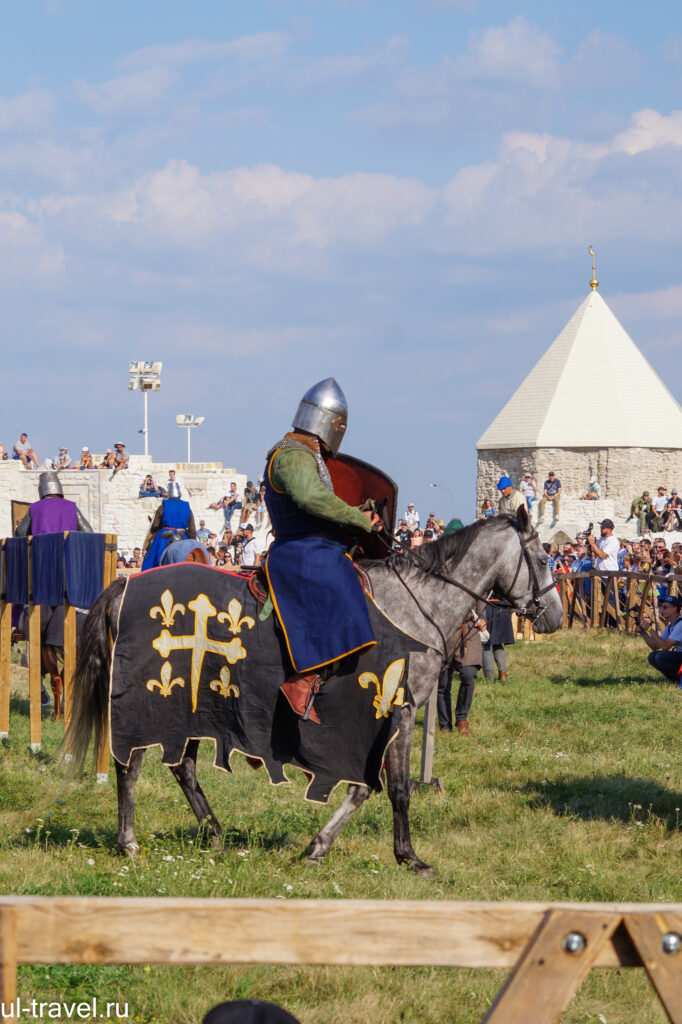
<point x="519" y="52"/>
<point x="344" y="69"/>
<point x="26" y="111"/>
<point x="249" y="49"/>
<point x="137" y="93"/>
<point x="650" y="130"/>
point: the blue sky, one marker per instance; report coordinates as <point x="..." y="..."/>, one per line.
<point x="400" y="195"/>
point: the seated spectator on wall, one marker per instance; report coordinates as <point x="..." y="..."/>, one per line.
<point x="658" y="506"/>
<point x="3" y="454"/>
<point x="148" y="488"/>
<point x="22" y="450"/>
<point x="529" y="490"/>
<point x="639" y="510"/>
<point x="403" y="535"/>
<point x="120" y="456"/>
<point x="510" y="499"/>
<point x="672" y="516"/>
<point x="249" y="502"/>
<point x="229" y="503"/>
<point x="487" y="509"/>
<point x="412" y="517"/>
<point x="417" y="539"/>
<point x="109" y="460"/>
<point x="551" y="492"/>
<point x="86" y="458"/>
<point x="593" y="491"/>
<point x="432" y="524"/>
<point x="666" y="646"/>
<point x="63" y="460"/>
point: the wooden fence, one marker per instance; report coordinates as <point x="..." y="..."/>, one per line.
<point x="615" y="599"/>
<point x="550" y="948"/>
<point x="33" y="647"/>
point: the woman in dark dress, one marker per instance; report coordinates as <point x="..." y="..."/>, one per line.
<point x="499" y="625"/>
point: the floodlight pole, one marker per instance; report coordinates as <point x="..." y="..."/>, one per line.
<point x="146" y="425"/>
<point x="189" y="434"/>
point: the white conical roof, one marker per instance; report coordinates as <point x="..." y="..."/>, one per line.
<point x="593" y="388"/>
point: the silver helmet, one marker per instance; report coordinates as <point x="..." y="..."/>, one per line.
<point x="49" y="483"/>
<point x="174" y="489"/>
<point x="323" y="411"/>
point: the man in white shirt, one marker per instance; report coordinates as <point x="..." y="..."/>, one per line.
<point x="666" y="647"/>
<point x="412" y="517"/>
<point x="605" y="551"/>
<point x="658" y="508"/>
<point x="249" y="548"/>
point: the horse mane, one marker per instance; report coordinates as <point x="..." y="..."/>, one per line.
<point x="439" y="556"/>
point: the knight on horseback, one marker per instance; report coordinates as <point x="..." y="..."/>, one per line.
<point x="317" y="596"/>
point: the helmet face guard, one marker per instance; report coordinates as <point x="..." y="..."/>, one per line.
<point x="49" y="483"/>
<point x="323" y="411"/>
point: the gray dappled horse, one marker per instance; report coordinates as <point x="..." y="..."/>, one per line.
<point x="427" y="592"/>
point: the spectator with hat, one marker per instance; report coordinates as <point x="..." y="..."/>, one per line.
<point x="510" y="499"/>
<point x="86" y="458"/>
<point x="593" y="491"/>
<point x="63" y="460"/>
<point x="666" y="646"/>
<point x="605" y="551"/>
<point x="109" y="460"/>
<point x="551" y="492"/>
<point x="120" y="456"/>
<point x="203" y="534"/>
<point x="412" y="517"/>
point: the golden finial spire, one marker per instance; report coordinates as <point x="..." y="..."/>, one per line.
<point x="594" y="283"/>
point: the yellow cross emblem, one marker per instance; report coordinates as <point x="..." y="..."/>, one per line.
<point x="199" y="643"/>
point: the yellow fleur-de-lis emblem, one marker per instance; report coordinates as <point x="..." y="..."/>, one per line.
<point x="166" y="684"/>
<point x="233" y="617"/>
<point x="389" y="693"/>
<point x="167" y="610"/>
<point x="223" y="686"/>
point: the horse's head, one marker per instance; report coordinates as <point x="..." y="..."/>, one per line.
<point x="524" y="578"/>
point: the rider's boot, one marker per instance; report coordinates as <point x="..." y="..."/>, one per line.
<point x="299" y="690"/>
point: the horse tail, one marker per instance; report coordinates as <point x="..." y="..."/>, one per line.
<point x="91" y="680"/>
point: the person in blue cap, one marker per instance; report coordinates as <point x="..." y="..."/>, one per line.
<point x="666" y="646"/>
<point x="510" y="498"/>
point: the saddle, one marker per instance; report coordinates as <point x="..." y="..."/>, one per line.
<point x="257" y="582"/>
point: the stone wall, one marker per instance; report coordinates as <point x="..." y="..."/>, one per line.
<point x="622" y="472"/>
<point x="111" y="503"/>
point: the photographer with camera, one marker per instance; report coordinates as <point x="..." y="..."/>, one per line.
<point x="605" y="551"/>
<point x="666" y="647"/>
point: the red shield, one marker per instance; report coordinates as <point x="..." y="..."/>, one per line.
<point x="356" y="481"/>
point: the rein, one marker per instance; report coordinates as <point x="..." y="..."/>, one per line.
<point x="538" y="591"/>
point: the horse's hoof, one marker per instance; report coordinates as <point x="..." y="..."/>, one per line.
<point x="131" y="850"/>
<point x="423" y="870"/>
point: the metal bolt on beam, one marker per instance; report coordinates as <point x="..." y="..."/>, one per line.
<point x="574" y="943"/>
<point x="670" y="943"/>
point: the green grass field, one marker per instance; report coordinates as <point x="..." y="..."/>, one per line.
<point x="571" y="789"/>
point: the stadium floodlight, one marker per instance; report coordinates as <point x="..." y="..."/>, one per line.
<point x="444" y="488"/>
<point x="186" y="419"/>
<point x="144" y="377"/>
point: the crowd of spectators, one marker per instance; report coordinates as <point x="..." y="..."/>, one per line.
<point x="245" y="533"/>
<point x="115" y="459"/>
<point x="661" y="513"/>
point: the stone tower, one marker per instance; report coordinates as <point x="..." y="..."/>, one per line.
<point x="592" y="405"/>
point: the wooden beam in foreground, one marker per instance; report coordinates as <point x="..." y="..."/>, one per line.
<point x="66" y="929"/>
